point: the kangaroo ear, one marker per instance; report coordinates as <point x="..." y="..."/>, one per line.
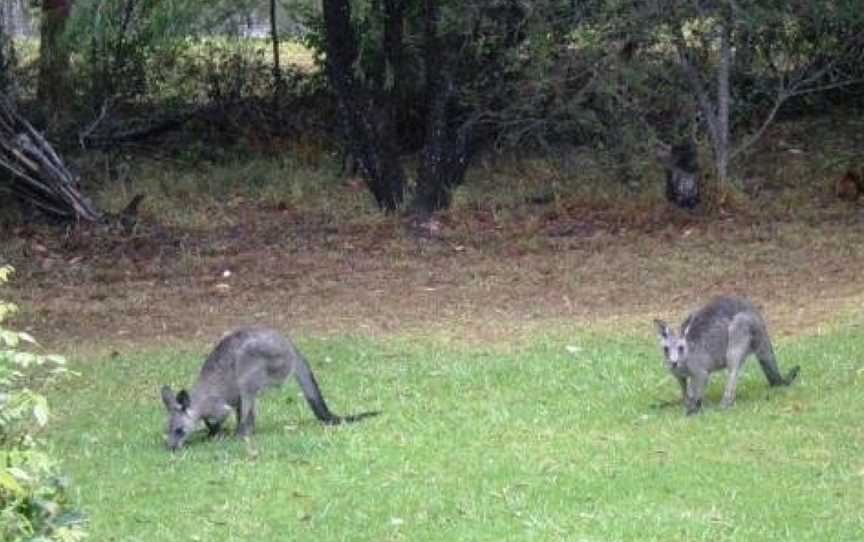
<point x="168" y="398"/>
<point x="183" y="399"/>
<point x="685" y="327"/>
<point x="662" y="328"/>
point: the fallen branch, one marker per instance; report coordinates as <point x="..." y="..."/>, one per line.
<point x="38" y="174"/>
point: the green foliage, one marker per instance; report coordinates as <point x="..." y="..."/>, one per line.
<point x="34" y="500"/>
<point x="234" y="71"/>
<point x="117" y="38"/>
<point x="129" y="49"/>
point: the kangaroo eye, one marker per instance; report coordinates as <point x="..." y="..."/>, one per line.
<point x="178" y="432"/>
<point x="666" y="350"/>
<point x="680" y="348"/>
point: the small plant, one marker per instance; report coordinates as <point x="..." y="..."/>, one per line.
<point x="34" y="502"/>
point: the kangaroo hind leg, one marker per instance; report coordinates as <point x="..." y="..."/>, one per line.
<point x="768" y="361"/>
<point x="738" y="348"/>
<point x="246" y="416"/>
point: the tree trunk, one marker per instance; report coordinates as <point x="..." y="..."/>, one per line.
<point x="367" y="133"/>
<point x="53" y="87"/>
<point x="447" y="149"/>
<point x="444" y="160"/>
<point x="370" y="115"/>
<point x="716" y="114"/>
<point x="6" y="55"/>
<point x="278" y="83"/>
<point x="394" y="101"/>
<point x="721" y="146"/>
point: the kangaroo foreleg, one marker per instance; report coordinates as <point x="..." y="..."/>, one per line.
<point x="695" y="390"/>
<point x="682" y="381"/>
<point x="213" y="428"/>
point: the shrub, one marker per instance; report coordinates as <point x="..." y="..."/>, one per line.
<point x="34" y="500"/>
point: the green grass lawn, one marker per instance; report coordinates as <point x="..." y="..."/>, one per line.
<point x="569" y="438"/>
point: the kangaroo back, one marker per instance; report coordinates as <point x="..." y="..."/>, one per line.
<point x="708" y="327"/>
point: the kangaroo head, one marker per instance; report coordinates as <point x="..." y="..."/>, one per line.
<point x="674" y="346"/>
<point x="181" y="420"/>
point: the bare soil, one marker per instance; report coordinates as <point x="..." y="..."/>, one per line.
<point x="467" y="276"/>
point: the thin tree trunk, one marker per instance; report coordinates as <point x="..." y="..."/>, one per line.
<point x="274" y="36"/>
<point x="394" y="50"/>
<point x="721" y="146"/>
<point x="716" y="115"/>
<point x="5" y="41"/>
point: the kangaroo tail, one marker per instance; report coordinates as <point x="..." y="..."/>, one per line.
<point x="791" y="375"/>
<point x="313" y="393"/>
<point x="357" y="417"/>
<point x="316" y="401"/>
<point x="768" y="362"/>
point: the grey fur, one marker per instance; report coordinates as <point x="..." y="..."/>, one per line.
<point x="722" y="334"/>
<point x="239" y="368"/>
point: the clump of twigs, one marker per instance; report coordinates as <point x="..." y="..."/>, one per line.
<point x="38" y="175"/>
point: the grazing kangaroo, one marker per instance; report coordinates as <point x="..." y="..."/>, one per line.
<point x="720" y="334"/>
<point x="239" y="368"/>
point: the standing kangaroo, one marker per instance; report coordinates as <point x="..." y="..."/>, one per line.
<point x="720" y="334"/>
<point x="239" y="368"/>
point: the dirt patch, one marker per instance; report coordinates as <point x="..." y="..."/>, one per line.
<point x="468" y="276"/>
